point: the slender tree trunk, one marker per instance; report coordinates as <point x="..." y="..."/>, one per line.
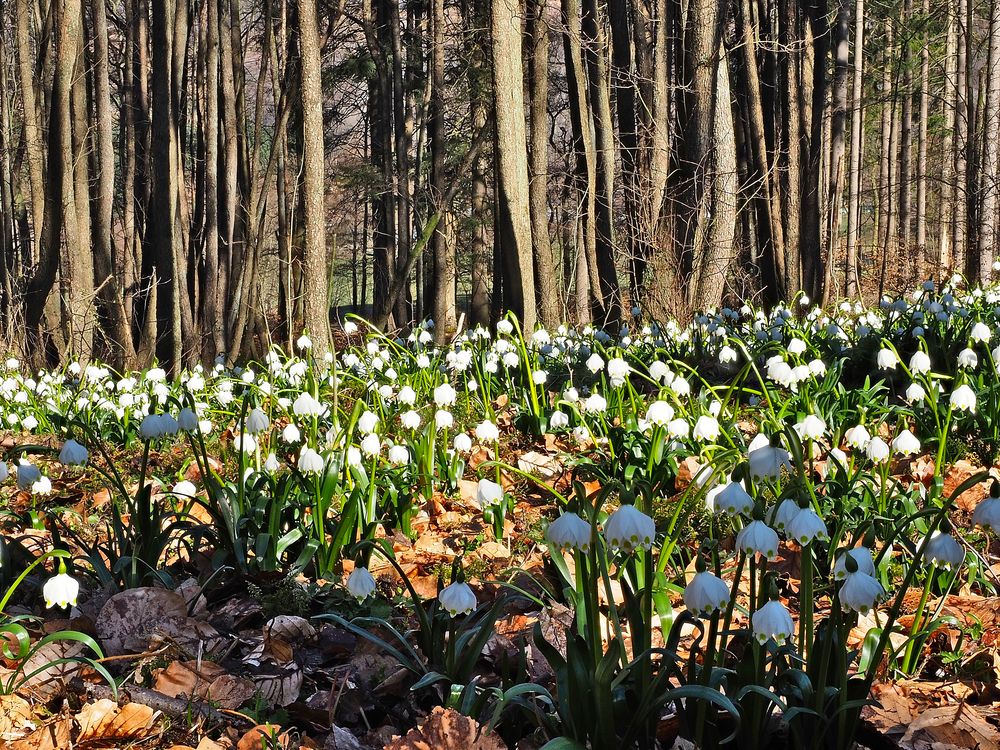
<point x="838" y="127"/>
<point x="949" y="106"/>
<point x="33" y="135"/>
<point x="317" y="310"/>
<point x="857" y="132"/>
<point x="960" y="224"/>
<point x="513" y="222"/>
<point x="545" y="272"/>
<point x="990" y="172"/>
<point x="444" y="249"/>
<point x="922" y="117"/>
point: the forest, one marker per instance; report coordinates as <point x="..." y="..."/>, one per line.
<point x="182" y="180"/>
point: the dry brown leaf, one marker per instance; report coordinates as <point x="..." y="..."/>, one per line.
<point x="446" y="729"/>
<point x="290" y="628"/>
<point x="105" y="723"/>
<point x="51" y="674"/>
<point x="958" y="726"/>
<point x="56" y="735"/>
<point x="129" y="618"/>
<point x="263" y="737"/>
<point x="207" y="743"/>
<point x="14" y="712"/>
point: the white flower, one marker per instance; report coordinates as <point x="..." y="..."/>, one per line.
<point x="758" y="538"/>
<point x="257" y="421"/>
<point x="410" y="419"/>
<point x="184" y="489"/>
<point x="487" y="432"/>
<point x="628" y="528"/>
<point x="595" y="404"/>
<point x="371" y="445"/>
<point x="807" y="526"/>
<point x="538" y="377"/>
<point x="765" y="460"/>
<point x="61" y="590"/>
<point x="772" y="621"/>
<point x="457" y="598"/>
<point x="877" y="450"/>
<point x="987" y="514"/>
<point x="707" y="593"/>
<point x="505" y="327"/>
<point x="968" y="359"/>
<point x="306" y="406"/>
<point x="785" y="513"/>
<point x="906" y="443"/>
<point x="858" y="437"/>
<point x="942" y="551"/>
<point x="706" y="428"/>
<point x="920" y="362"/>
<point x="151" y="427"/>
<point x="462" y="443"/>
<point x="569" y="532"/>
<point x="659" y="413"/>
<point x="980" y="333"/>
<point x="73" y="454"/>
<point x="245" y="443"/>
<point x="595" y="363"/>
<point x="861" y="556"/>
<point x="445" y="395"/>
<point x="304" y="342"/>
<point x="271" y="464"/>
<point x="310" y="461"/>
<point x="406" y="396"/>
<point x="659" y="371"/>
<point x="488" y="493"/>
<point x="361" y="583"/>
<point x="733" y="500"/>
<point x="618" y="372"/>
<point x="42" y="487"/>
<point x="559" y="420"/>
<point x="367" y="422"/>
<point x="963" y="398"/>
<point x="811" y="428"/>
<point x="27" y="475"/>
<point x="399" y="455"/>
<point x="727" y="355"/>
<point x="187" y="420"/>
<point x="915" y="393"/>
<point x="887" y="359"/>
<point x="4" y="471"/>
<point x="443" y="419"/>
<point x="796" y="346"/>
<point x="860" y="592"/>
<point x="291" y="433"/>
<point x="678" y="428"/>
<point x="571" y="395"/>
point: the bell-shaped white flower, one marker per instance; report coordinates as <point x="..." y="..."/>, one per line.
<point x="807" y="526"/>
<point x="987" y="513"/>
<point x="184" y="489"/>
<point x="963" y="398"/>
<point x="706" y="594"/>
<point x="399" y="455"/>
<point x="61" y="590"/>
<point x="487" y="432"/>
<point x="757" y="538"/>
<point x="915" y="393"/>
<point x="310" y="462"/>
<point x="306" y="406"/>
<point x="733" y="500"/>
<point x="858" y="437"/>
<point x="488" y="493"/>
<point x="367" y="422"/>
<point x="968" y="359"/>
<point x="271" y="463"/>
<point x="361" y="583"/>
<point x="73" y="454"/>
<point x="980" y="333"/>
<point x="569" y="532"/>
<point x="920" y="362"/>
<point x="595" y="404"/>
<point x="410" y="419"/>
<point x="860" y="592"/>
<point x="559" y="420"/>
<point x="772" y="621"/>
<point x="443" y="419"/>
<point x="457" y="598"/>
<point x="595" y="363"/>
<point x="27" y="475"/>
<point x="943" y="551"/>
<point x="877" y="450"/>
<point x="256" y="421"/>
<point x="906" y="443"/>
<point x="785" y="513"/>
<point x="371" y="445"/>
<point x="628" y="528"/>
<point x="659" y="413"/>
<point x="811" y="428"/>
<point x="445" y="395"/>
<point x="462" y="443"/>
<point x="187" y="420"/>
<point x="887" y="359"/>
<point x="766" y="458"/>
<point x="706" y="428"/>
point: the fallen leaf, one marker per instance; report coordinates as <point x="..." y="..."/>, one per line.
<point x="446" y="729"/>
<point x="14" y="712"/>
<point x="56" y="735"/>
<point x="263" y="737"/>
<point x="104" y="722"/>
<point x="129" y="618"/>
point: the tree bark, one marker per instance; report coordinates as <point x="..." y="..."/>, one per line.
<point x="857" y="132"/>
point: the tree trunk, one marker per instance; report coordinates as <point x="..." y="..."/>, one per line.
<point x="444" y="249"/>
<point x="838" y="126"/>
<point x="857" y="132"/>
<point x="988" y="213"/>
<point x="317" y="310"/>
<point x="513" y="222"/>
